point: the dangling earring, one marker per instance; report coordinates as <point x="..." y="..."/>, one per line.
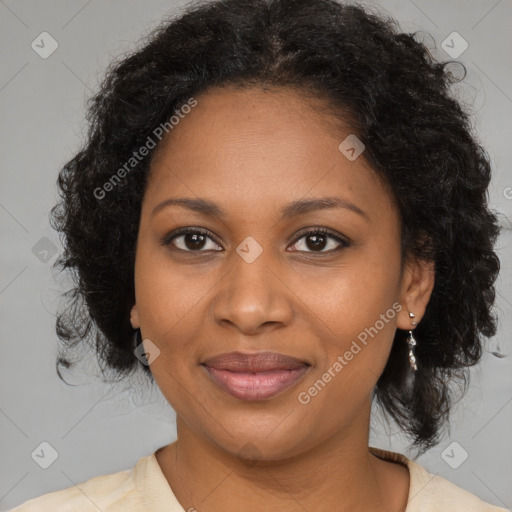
<point x="412" y="344"/>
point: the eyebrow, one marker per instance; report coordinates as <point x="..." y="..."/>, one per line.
<point x="293" y="209"/>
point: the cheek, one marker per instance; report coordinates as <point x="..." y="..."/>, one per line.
<point x="168" y="296"/>
<point x="168" y="303"/>
<point x="355" y="309"/>
<point x="352" y="297"/>
<point x="355" y="349"/>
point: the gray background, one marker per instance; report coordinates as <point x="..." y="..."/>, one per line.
<point x="98" y="428"/>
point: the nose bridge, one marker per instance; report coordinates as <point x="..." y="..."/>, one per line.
<point x="251" y="294"/>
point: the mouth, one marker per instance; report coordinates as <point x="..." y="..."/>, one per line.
<point x="259" y="376"/>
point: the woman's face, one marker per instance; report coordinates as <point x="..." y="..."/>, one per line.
<point x="258" y="282"/>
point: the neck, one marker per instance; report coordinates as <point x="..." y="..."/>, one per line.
<point x="339" y="474"/>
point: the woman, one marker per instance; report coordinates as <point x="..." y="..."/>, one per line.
<point x="280" y="214"/>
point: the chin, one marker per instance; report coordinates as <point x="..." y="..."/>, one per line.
<point x="248" y="441"/>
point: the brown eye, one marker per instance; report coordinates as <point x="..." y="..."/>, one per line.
<point x="191" y="240"/>
<point x="318" y="240"/>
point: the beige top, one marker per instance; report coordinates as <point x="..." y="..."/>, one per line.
<point x="144" y="488"/>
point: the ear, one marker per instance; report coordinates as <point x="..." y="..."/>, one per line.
<point x="134" y="317"/>
<point x="416" y="289"/>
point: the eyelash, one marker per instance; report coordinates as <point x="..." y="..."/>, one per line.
<point x="167" y="240"/>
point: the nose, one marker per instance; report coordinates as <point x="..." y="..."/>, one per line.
<point x="253" y="296"/>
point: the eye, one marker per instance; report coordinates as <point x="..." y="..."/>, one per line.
<point x="191" y="240"/>
<point x="196" y="240"/>
<point x="319" y="239"/>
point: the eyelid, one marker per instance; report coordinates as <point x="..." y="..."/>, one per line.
<point x="325" y="231"/>
<point x="341" y="239"/>
<point x="169" y="237"/>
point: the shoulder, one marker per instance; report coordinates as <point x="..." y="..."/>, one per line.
<point x="431" y="493"/>
<point x="105" y="493"/>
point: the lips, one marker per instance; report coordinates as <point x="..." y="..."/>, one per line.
<point x="259" y="362"/>
<point x="257" y="376"/>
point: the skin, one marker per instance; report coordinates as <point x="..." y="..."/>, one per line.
<point x="252" y="152"/>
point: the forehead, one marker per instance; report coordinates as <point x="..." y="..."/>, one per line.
<point x="253" y="148"/>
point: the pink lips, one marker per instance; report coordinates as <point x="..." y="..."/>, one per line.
<point x="255" y="376"/>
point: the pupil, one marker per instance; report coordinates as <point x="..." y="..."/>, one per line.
<point x="319" y="242"/>
<point x="197" y="241"/>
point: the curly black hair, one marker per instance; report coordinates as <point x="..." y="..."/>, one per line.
<point x="418" y="139"/>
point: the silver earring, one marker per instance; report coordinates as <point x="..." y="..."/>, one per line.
<point x="412" y="344"/>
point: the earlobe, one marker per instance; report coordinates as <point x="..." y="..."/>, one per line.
<point x="134" y="317"/>
<point x="417" y="289"/>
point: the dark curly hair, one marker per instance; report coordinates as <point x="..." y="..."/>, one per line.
<point x="398" y="100"/>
